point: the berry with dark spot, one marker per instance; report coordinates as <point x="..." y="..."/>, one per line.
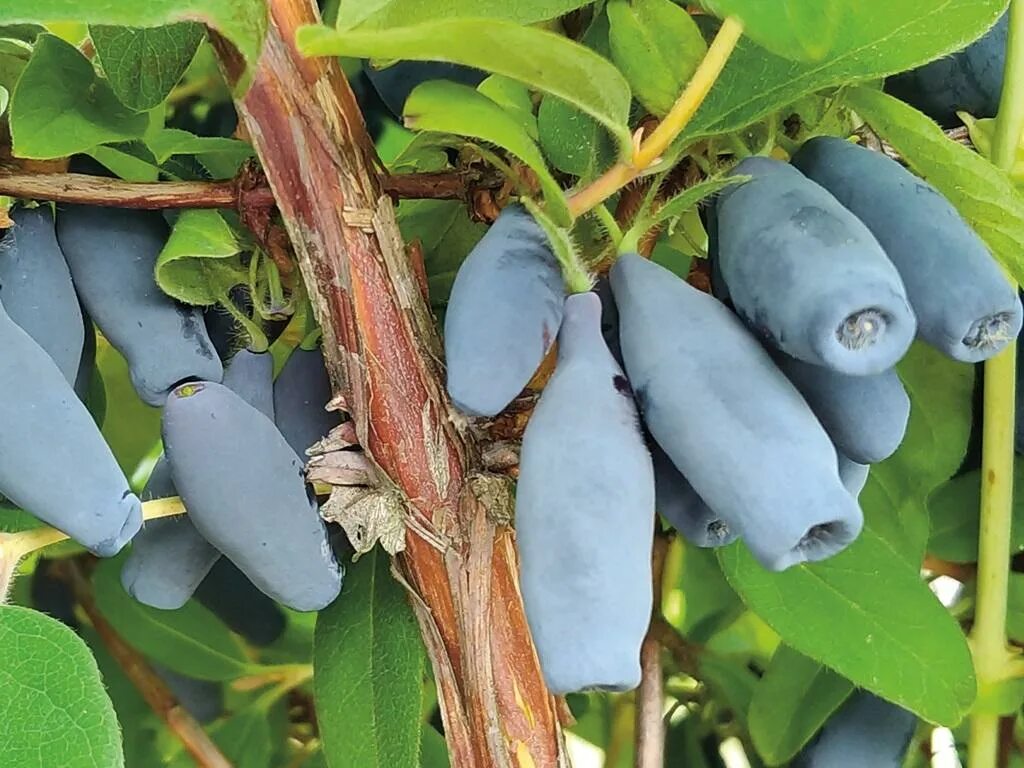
<point x="585" y="516"/>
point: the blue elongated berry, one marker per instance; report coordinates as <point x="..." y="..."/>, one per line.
<point x="585" y="515"/>
<point x="970" y="80"/>
<point x="866" y="416"/>
<point x="169" y="557"/>
<point x="730" y="420"/>
<point x="806" y="275"/>
<point x="54" y="463"/>
<point x="112" y="254"/>
<point x="683" y="507"/>
<point x="865" y="732"/>
<point x="503" y="314"/>
<point x="301" y="393"/>
<point x="36" y="288"/>
<point x="245" y="492"/>
<point x="964" y="304"/>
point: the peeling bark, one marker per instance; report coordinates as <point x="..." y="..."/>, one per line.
<point x="382" y="350"/>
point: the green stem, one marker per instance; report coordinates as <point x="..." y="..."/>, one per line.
<point x="609" y="223"/>
<point x="257" y="338"/>
<point x="574" y="271"/>
<point x="274" y="288"/>
<point x="988" y="636"/>
<point x="311" y="332"/>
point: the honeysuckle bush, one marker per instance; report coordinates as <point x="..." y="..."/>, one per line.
<point x="616" y="122"/>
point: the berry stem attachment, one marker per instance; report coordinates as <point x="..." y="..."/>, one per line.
<point x="988" y="637"/>
<point x="14" y="547"/>
<point x="653" y="147"/>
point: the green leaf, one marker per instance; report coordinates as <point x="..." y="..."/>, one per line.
<point x="683" y="223"/>
<point x="691" y="196"/>
<point x="14" y="55"/>
<point x="514" y="97"/>
<point x="710" y="603"/>
<point x="876" y="40"/>
<point x="433" y="749"/>
<point x="243" y="22"/>
<point x="540" y="59"/>
<point x="245" y="738"/>
<point x="684" y="744"/>
<point x="657" y="45"/>
<point x="894" y="500"/>
<point x="221" y="156"/>
<point x="983" y="194"/>
<point x="731" y="680"/>
<point x="61" y="106"/>
<point x="143" y="65"/>
<point x="573" y="142"/>
<point x="191" y="640"/>
<point x="197" y="265"/>
<point x="54" y="710"/>
<point x="27" y="33"/>
<point x="866" y="614"/>
<point x="369" y="663"/>
<point x="125" y="164"/>
<point x="791" y="702"/>
<point x="447" y="107"/>
<point x="793" y="29"/>
<point x="954" y="511"/>
<point x="382" y="14"/>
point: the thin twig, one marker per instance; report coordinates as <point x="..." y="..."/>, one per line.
<point x="683" y="651"/>
<point x="650" y="697"/>
<point x="95" y="190"/>
<point x="152" y="688"/>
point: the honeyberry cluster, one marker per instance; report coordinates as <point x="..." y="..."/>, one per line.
<point x="233" y="436"/>
<point x="753" y="413"/>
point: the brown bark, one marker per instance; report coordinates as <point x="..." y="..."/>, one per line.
<point x="96" y="190"/>
<point x="382" y="351"/>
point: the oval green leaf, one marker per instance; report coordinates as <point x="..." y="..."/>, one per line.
<point x="382" y="14"/>
<point x="791" y="702"/>
<point x="793" y="29"/>
<point x="243" y="22"/>
<point x="657" y="46"/>
<point x="54" y="709"/>
<point x="191" y="640"/>
<point x="866" y="614"/>
<point x="876" y="39"/>
<point x="368" y="661"/>
<point x="540" y="59"/>
<point x="143" y="65"/>
<point x="61" y="106"/>
<point x="199" y="263"/>
<point x="447" y="107"/>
